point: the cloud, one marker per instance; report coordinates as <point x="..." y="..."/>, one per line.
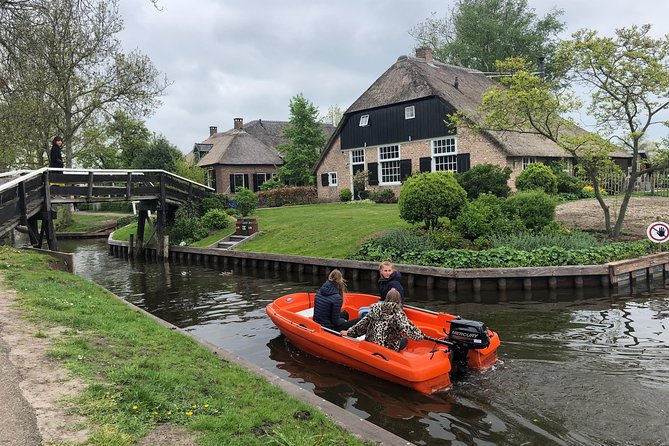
<point x="236" y="59"/>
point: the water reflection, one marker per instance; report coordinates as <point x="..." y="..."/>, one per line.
<point x="577" y="368"/>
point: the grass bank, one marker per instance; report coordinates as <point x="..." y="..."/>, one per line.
<point x="85" y="222"/>
<point x="140" y="374"/>
<point x="321" y="230"/>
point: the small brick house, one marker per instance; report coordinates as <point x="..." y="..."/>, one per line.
<point x="244" y="156"/>
<point x="398" y="127"/>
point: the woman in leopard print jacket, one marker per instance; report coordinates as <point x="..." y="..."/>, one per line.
<point x="385" y="324"/>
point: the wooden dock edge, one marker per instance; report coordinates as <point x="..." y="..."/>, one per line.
<point x="653" y="268"/>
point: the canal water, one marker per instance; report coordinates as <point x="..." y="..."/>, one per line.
<point x="576" y="368"/>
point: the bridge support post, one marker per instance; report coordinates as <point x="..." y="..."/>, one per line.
<point x="142" y="216"/>
<point x="48" y="228"/>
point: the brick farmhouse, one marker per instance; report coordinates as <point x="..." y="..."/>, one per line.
<point x="398" y="126"/>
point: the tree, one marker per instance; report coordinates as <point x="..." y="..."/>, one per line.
<point x="479" y="32"/>
<point x="333" y="116"/>
<point x="65" y="53"/>
<point x="114" y="143"/>
<point x="429" y="196"/>
<point x="160" y="154"/>
<point x="306" y="140"/>
<point x="628" y="76"/>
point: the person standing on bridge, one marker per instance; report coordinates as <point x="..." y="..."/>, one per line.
<point x="56" y="155"/>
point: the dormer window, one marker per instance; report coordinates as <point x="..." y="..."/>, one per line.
<point x="409" y="112"/>
<point x="364" y="120"/>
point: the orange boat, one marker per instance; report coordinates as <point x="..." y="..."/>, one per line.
<point x="452" y="346"/>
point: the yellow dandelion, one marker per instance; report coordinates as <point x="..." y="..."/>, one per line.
<point x="135" y="407"/>
<point x="206" y="405"/>
<point x="194" y="406"/>
<point x="169" y="412"/>
<point x="189" y="413"/>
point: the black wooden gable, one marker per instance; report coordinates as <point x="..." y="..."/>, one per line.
<point x="387" y="125"/>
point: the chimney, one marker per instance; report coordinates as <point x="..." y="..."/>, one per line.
<point x="456" y="83"/>
<point x="212" y="130"/>
<point x="424" y="53"/>
<point x="239" y="123"/>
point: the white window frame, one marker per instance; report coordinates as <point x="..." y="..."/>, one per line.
<point x="527" y="161"/>
<point x="409" y="112"/>
<point x="234" y="181"/>
<point x="357" y="156"/>
<point x="389" y="165"/>
<point x="364" y="121"/>
<point x="332" y="179"/>
<point x="445" y="154"/>
<point x="211" y="176"/>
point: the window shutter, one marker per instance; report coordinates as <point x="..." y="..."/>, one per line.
<point x="232" y="184"/>
<point x="426" y="164"/>
<point x="325" y="179"/>
<point x="213" y="179"/>
<point x="462" y="161"/>
<point x="405" y="169"/>
<point x="373" y="174"/>
<point x="256" y="185"/>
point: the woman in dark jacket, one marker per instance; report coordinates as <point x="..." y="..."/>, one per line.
<point x="56" y="154"/>
<point x="328" y="302"/>
<point x="389" y="279"/>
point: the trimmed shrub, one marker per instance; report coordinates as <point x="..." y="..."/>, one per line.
<point x="383" y="196"/>
<point x="537" y="176"/>
<point x="484" y="217"/>
<point x="288" y="196"/>
<point x="246" y="202"/>
<point x="485" y="179"/>
<point x="426" y="197"/>
<point x="215" y="201"/>
<point x="345" y="195"/>
<point x="216" y="219"/>
<point x="535" y="208"/>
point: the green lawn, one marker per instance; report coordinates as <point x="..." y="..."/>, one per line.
<point x="86" y="223"/>
<point x="139" y="374"/>
<point x="321" y="230"/>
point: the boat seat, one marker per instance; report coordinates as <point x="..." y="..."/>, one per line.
<point x="308" y="312"/>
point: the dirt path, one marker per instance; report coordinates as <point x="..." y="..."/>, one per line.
<point x="33" y="387"/>
<point x="588" y="215"/>
<point x="41" y="382"/>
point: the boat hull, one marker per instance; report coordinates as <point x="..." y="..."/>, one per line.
<point x="424" y="366"/>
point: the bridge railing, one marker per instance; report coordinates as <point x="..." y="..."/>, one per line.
<point x="20" y="199"/>
<point x="29" y="193"/>
<point x="90" y="185"/>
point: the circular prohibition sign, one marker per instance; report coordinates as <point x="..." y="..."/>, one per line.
<point x="658" y="232"/>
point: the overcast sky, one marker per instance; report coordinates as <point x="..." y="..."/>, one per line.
<point x="230" y="59"/>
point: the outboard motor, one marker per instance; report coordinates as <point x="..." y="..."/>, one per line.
<point x="465" y="335"/>
<point x="469" y="334"/>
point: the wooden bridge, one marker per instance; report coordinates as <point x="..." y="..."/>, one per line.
<point x="27" y="197"/>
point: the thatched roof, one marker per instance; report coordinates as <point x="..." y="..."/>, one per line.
<point x="412" y="78"/>
<point x="254" y="143"/>
<point x="239" y="147"/>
